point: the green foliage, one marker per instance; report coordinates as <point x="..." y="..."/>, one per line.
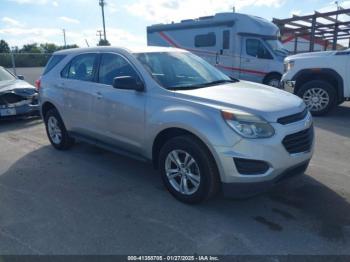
<point x="4" y="47"/>
<point x="103" y="42"/>
<point x="30" y="55"/>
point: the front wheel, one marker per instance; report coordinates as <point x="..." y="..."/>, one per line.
<point x="188" y="170"/>
<point x="319" y="96"/>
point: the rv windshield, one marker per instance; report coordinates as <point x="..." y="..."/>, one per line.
<point x="277" y="47"/>
<point x="181" y="70"/>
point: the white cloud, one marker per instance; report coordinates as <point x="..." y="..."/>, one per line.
<point x="11" y="22"/>
<point x="69" y="20"/>
<point x="38" y="2"/>
<point x="175" y="10"/>
<point x="19" y="36"/>
<point x="55" y="3"/>
<point x="295" y="12"/>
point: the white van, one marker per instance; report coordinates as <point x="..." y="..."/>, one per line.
<point x="242" y="46"/>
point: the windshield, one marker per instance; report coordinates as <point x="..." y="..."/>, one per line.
<point x="181" y="71"/>
<point x="277" y="46"/>
<point x="5" y="75"/>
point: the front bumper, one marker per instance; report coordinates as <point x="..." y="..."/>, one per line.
<point x="288" y="85"/>
<point x="270" y="151"/>
<point x="250" y="189"/>
<point x="24" y="108"/>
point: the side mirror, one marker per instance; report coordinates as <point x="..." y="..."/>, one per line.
<point x="20" y="77"/>
<point x="128" y="83"/>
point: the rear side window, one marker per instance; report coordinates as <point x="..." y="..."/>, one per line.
<point x="206" y="40"/>
<point x="112" y="66"/>
<point x="54" y="60"/>
<point x="82" y="67"/>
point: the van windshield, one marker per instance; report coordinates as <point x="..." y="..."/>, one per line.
<point x="277" y="47"/>
<point x="181" y="70"/>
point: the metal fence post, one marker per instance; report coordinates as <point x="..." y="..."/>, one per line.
<point x="13" y="63"/>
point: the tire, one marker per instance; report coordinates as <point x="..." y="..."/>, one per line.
<point x="319" y="96"/>
<point x="60" y="141"/>
<point x="203" y="167"/>
<point x="273" y="80"/>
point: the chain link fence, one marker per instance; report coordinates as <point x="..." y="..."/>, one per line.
<point x="10" y="60"/>
<point x="30" y="65"/>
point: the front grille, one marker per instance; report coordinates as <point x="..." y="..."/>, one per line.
<point x="293" y="118"/>
<point x="299" y="142"/>
<point x="250" y="167"/>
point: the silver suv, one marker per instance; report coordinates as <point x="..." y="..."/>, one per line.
<point x="201" y="129"/>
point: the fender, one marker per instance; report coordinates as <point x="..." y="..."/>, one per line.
<point x="322" y="72"/>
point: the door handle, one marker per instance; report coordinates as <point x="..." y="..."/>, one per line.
<point x="247" y="60"/>
<point x="99" y="95"/>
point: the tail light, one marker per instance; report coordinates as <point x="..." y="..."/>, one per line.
<point x="38" y="84"/>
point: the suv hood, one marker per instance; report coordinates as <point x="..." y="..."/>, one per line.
<point x="312" y="55"/>
<point x="267" y="102"/>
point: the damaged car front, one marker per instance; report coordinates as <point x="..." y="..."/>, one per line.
<point x="17" y="97"/>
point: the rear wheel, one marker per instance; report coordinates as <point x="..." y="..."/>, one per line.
<point x="319" y="96"/>
<point x="56" y="131"/>
<point x="188" y="170"/>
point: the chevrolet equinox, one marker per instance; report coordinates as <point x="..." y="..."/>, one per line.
<point x="203" y="130"/>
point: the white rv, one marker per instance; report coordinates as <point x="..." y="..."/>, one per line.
<point x="242" y="46"/>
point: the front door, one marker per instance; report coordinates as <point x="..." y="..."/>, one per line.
<point x="119" y="114"/>
<point x="256" y="59"/>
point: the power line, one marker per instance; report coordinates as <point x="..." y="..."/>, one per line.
<point x="99" y="34"/>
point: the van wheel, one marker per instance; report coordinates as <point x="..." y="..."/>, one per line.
<point x="319" y="96"/>
<point x="273" y="80"/>
<point x="188" y="170"/>
<point x="56" y="131"/>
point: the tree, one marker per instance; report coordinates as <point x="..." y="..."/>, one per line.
<point x="69" y="46"/>
<point x="49" y="48"/>
<point x="31" y="48"/>
<point x="4" y="47"/>
<point x="103" y="42"/>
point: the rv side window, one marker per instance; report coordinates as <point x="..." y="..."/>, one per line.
<point x="205" y="40"/>
<point x="226" y="39"/>
<point x="255" y="48"/>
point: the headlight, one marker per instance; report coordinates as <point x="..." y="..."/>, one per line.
<point x="288" y="66"/>
<point x="247" y="125"/>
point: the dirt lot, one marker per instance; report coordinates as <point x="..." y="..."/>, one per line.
<point x="89" y="201"/>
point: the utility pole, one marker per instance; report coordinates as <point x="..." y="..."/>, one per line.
<point x="64" y="37"/>
<point x="99" y="34"/>
<point x="102" y="4"/>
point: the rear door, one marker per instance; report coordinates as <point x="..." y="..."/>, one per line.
<point x="79" y="91"/>
<point x="256" y="59"/>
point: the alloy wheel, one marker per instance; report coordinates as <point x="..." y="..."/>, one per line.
<point x="54" y="130"/>
<point x="182" y="172"/>
<point x="316" y="99"/>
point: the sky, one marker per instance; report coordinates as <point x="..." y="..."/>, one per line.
<point x="42" y="21"/>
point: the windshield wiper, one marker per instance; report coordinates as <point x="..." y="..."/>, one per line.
<point x="213" y="83"/>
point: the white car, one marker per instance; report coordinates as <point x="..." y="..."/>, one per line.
<point x="200" y="128"/>
<point x="321" y="79"/>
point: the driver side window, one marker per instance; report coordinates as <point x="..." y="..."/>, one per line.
<point x="255" y="48"/>
<point x="112" y="66"/>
